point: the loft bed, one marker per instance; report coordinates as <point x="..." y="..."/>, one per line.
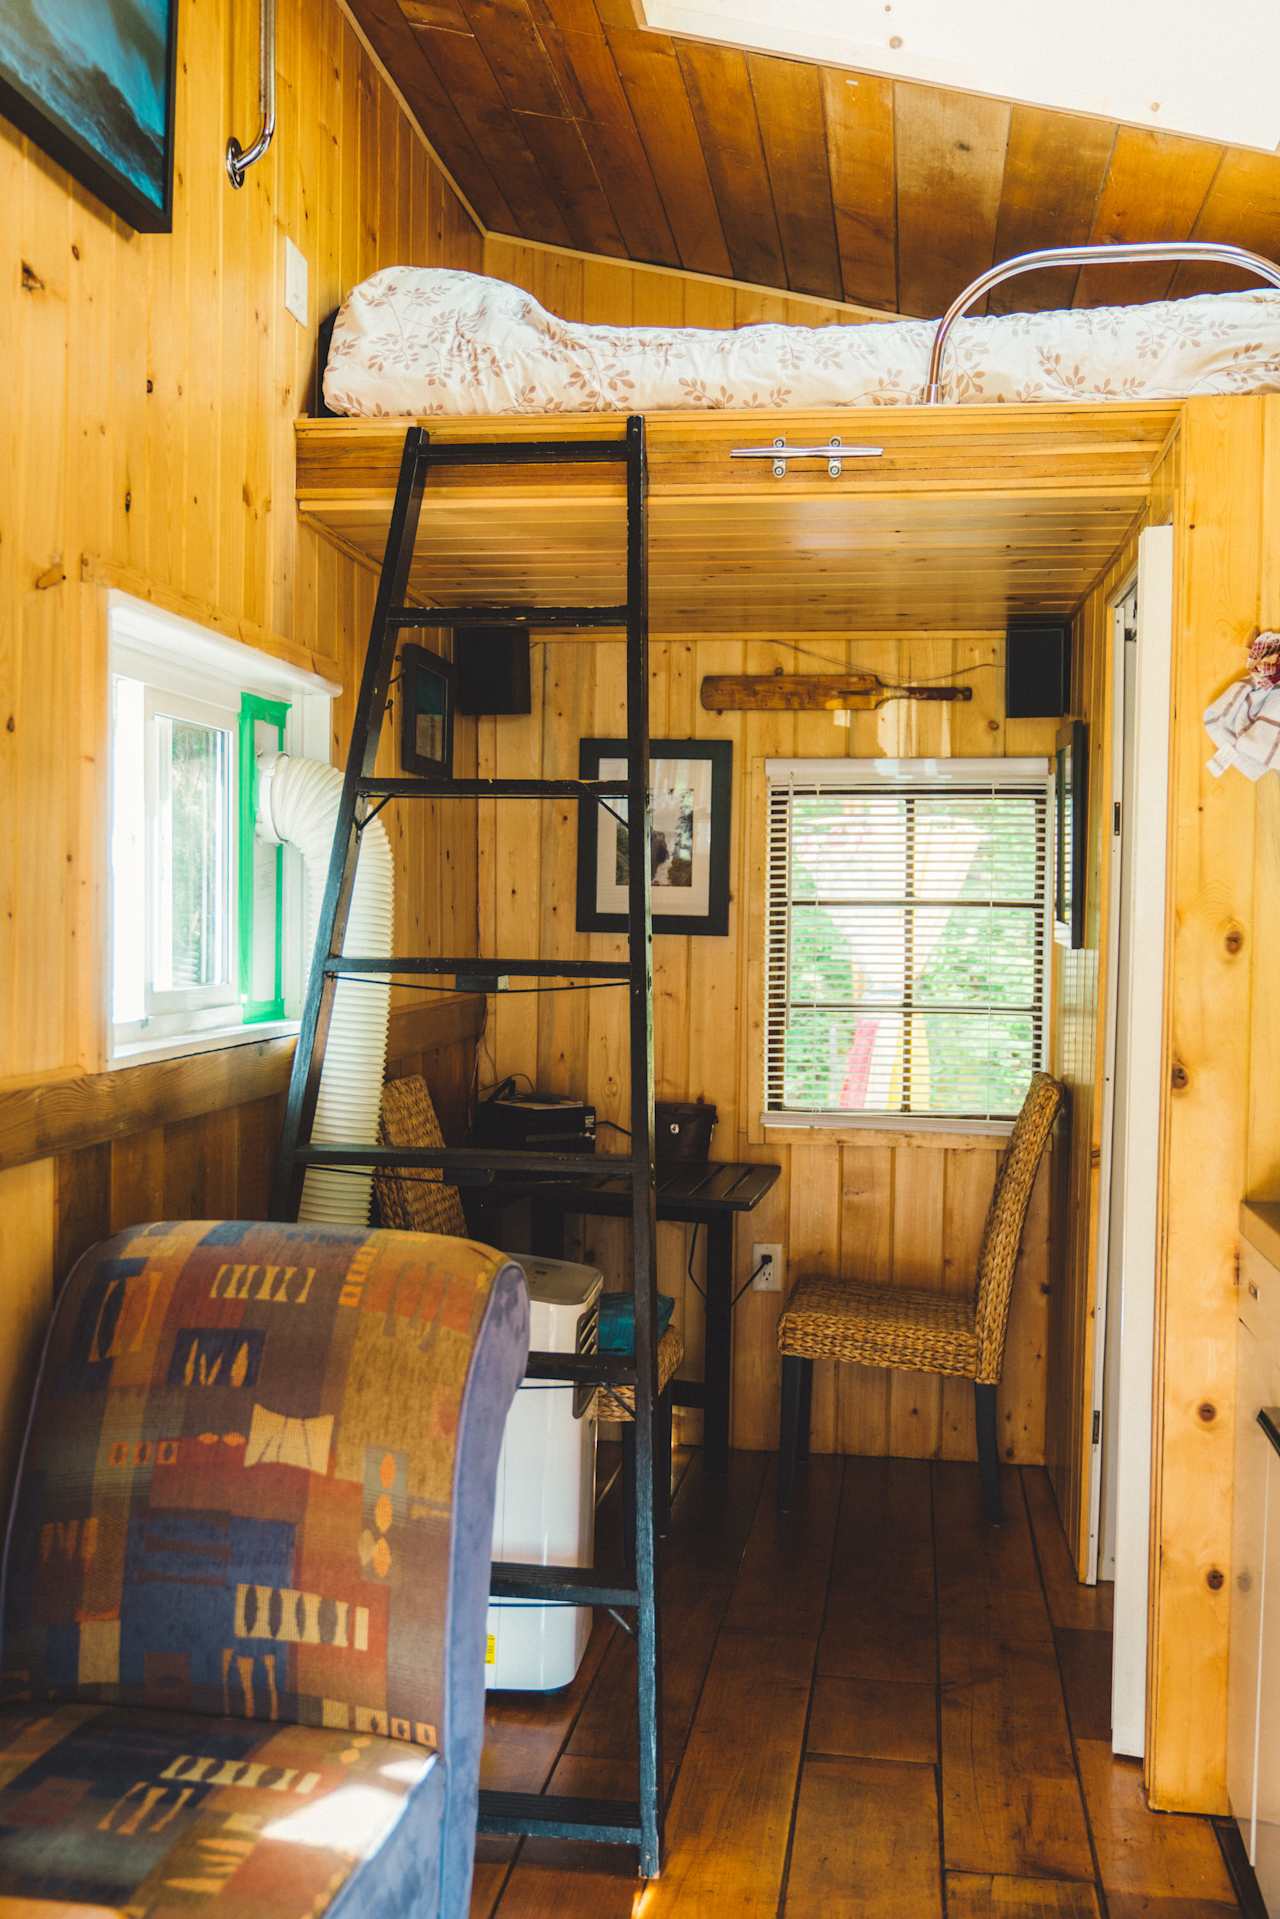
<point x="422" y="341"/>
<point x="880" y="516"/>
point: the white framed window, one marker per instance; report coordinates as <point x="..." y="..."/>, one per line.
<point x="907" y="940"/>
<point x="205" y="928"/>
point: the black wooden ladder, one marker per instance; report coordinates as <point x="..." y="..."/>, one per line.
<point x="638" y="1822"/>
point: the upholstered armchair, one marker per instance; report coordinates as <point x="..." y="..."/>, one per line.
<point x="247" y="1569"/>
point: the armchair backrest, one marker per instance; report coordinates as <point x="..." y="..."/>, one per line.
<point x="1006" y="1217"/>
<point x="252" y="1473"/>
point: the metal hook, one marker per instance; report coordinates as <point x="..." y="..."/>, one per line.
<point x="240" y="159"/>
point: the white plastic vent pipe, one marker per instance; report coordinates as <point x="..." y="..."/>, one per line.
<point x="298" y="806"/>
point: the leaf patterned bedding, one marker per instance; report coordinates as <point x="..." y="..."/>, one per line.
<point x="423" y="340"/>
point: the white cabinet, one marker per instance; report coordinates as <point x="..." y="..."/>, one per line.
<point x="1253" y="1739"/>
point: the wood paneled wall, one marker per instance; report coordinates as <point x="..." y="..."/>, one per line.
<point x="1221" y="1123"/>
<point x="147" y="442"/>
<point x="576" y="286"/>
<point x="905" y="1208"/>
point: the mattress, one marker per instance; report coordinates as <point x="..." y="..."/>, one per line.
<point x="424" y="340"/>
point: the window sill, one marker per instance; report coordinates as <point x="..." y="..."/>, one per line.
<point x="837" y="1129"/>
<point x="215" y="1039"/>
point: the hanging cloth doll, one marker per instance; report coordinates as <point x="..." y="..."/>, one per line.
<point x="1244" y="723"/>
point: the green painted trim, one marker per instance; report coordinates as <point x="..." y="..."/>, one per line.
<point x="254" y="708"/>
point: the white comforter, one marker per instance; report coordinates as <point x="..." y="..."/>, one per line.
<point x="417" y="340"/>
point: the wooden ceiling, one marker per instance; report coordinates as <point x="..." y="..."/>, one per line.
<point x="564" y="122"/>
<point x="969" y="514"/>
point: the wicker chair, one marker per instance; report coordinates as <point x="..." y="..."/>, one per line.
<point x="918" y="1331"/>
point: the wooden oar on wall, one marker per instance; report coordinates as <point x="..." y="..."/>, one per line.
<point x="813" y="692"/>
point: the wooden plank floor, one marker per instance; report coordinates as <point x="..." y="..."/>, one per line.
<point x="875" y="1706"/>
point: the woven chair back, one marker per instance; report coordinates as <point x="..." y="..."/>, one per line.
<point x="1006" y="1217"/>
<point x="415" y="1199"/>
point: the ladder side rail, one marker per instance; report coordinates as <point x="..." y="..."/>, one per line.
<point x="644" y="1227"/>
<point x="366" y="732"/>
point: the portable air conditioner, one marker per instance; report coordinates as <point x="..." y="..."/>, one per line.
<point x="545" y="1511"/>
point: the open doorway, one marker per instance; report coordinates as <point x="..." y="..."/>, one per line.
<point x="1120" y="1493"/>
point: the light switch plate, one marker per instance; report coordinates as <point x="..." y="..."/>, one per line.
<point x="295" y="283"/>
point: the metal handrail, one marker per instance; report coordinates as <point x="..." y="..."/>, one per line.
<point x="240" y="159"/>
<point x="1087" y="256"/>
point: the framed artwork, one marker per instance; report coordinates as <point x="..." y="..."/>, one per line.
<point x="1071" y="790"/>
<point x="91" y="81"/>
<point x="690" y="788"/>
<point x="426" y="713"/>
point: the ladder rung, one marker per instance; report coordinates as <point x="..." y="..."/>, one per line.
<point x="613" y="1822"/>
<point x="559" y="1585"/>
<point x="580" y="1167"/>
<point x="520" y="452"/>
<point x="583" y="1369"/>
<point x="526" y="968"/>
<point x="460" y="617"/>
<point x="402" y="789"/>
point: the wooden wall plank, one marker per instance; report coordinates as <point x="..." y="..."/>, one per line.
<point x="1071" y="152"/>
<point x="719" y="89"/>
<point x="1241" y="208"/>
<point x="950" y="161"/>
<point x="27" y="1208"/>
<point x="589" y="77"/>
<point x="464" y="74"/>
<point x="652" y="82"/>
<point x="1156" y="185"/>
<point x="858" y="112"/>
<point x="789" y="104"/>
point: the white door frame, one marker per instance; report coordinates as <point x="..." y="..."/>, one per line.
<point x="1130" y="1154"/>
<point x="1103" y="1416"/>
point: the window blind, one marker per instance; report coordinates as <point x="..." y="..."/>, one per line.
<point x="906" y="937"/>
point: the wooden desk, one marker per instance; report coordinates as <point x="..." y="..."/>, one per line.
<point x="709" y="1193"/>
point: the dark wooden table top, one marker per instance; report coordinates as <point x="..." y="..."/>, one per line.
<point x="686" y="1189"/>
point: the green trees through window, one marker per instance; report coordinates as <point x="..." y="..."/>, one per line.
<point x="906" y="964"/>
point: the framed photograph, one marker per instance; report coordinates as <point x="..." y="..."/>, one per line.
<point x="690" y="788"/>
<point x="91" y="81"/>
<point x="426" y="713"/>
<point x="1071" y="792"/>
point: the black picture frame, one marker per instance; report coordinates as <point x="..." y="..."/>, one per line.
<point x="87" y="162"/>
<point x="427" y="702"/>
<point x="712" y="920"/>
<point x="1071" y="841"/>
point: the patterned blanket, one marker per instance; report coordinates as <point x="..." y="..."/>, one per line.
<point x="431" y="340"/>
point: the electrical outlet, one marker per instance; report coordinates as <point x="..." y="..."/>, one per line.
<point x="296" y="297"/>
<point x="766" y="1263"/>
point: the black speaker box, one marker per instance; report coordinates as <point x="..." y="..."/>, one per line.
<point x="1037" y="669"/>
<point x="493" y="670"/>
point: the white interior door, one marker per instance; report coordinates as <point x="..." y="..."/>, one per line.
<point x="1131" y="1138"/>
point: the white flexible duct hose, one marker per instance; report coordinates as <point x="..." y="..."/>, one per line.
<point x="298" y="806"/>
